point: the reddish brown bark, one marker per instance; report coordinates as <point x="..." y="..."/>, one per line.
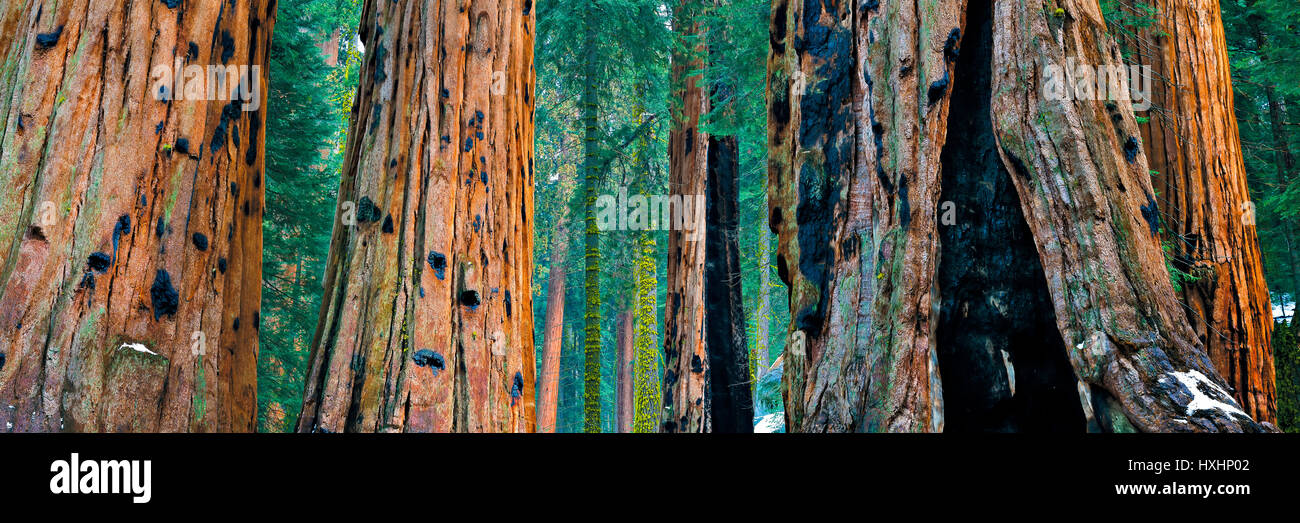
<point x="426" y="322"/>
<point x="553" y="340"/>
<point x="1194" y="149"/>
<point x="685" y="359"/>
<point x="859" y="103"/>
<point x="626" y="401"/>
<point x="131" y="250"/>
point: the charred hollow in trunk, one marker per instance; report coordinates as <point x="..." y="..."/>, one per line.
<point x="1003" y="364"/>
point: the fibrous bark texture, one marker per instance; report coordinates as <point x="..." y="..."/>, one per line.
<point x="426" y="322"/>
<point x="1194" y="150"/>
<point x="854" y="138"/>
<point x="1085" y="190"/>
<point x="131" y="244"/>
<point x="685" y="382"/>
<point x="859" y="122"/>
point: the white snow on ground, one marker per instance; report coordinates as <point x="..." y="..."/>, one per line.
<point x="1200" y="401"/>
<point x="137" y="347"/>
<point x="774" y="422"/>
<point x="1283" y="311"/>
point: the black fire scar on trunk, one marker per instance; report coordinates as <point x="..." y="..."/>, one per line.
<point x="98" y="262"/>
<point x="438" y="263"/>
<point x="164" y="296"/>
<point x="367" y="211"/>
<point x="1131" y="149"/>
<point x="430" y="359"/>
<point x="517" y="389"/>
<point x="1151" y="213"/>
<point x="47" y="40"/>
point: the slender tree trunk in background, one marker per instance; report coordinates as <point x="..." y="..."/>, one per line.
<point x="646" y="402"/>
<point x="645" y="372"/>
<point x="731" y="399"/>
<point x="762" y="313"/>
<point x="553" y="342"/>
<point x="686" y="377"/>
<point x="591" y="284"/>
<point x="426" y="321"/>
<point x="131" y="248"/>
<point x="626" y="334"/>
<point x="1194" y="150"/>
<point x="1284" y="160"/>
<point x="859" y="233"/>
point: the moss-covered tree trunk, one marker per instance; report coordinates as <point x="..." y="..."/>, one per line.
<point x="859" y="101"/>
<point x="592" y="175"/>
<point x="131" y="244"/>
<point x="553" y="333"/>
<point x="685" y="382"/>
<point x="645" y="366"/>
<point x="426" y="321"/>
<point x="1195" y="156"/>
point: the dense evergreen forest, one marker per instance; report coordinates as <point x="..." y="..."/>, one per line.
<point x="651" y="216"/>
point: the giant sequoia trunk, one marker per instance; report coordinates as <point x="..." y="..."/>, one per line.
<point x="685" y="389"/>
<point x="426" y="322"/>
<point x="1195" y="154"/>
<point x="861" y="147"/>
<point x="131" y="244"/>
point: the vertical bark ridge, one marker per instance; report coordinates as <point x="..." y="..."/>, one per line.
<point x="1194" y="151"/>
<point x="114" y="315"/>
<point x="686" y="374"/>
<point x="1086" y="194"/>
<point x="426" y="325"/>
<point x="858" y="95"/>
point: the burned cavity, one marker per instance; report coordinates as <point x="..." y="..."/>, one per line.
<point x="1003" y="364"/>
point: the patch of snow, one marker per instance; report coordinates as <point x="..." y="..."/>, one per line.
<point x="1283" y="310"/>
<point x="137" y="347"/>
<point x="1192" y="379"/>
<point x="771" y="423"/>
<point x="1011" y="372"/>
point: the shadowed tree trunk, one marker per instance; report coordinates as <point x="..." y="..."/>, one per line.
<point x="730" y="396"/>
<point x="1194" y="151"/>
<point x="859" y="102"/>
<point x="553" y="342"/>
<point x="426" y="321"/>
<point x="685" y="389"/>
<point x="131" y="242"/>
